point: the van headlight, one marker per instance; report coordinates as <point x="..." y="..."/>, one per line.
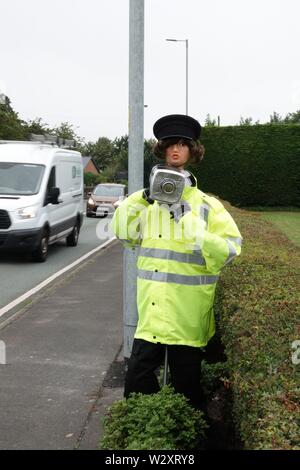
<point x="28" y="212"/>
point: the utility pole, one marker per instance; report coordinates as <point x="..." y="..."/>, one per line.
<point x="135" y="159"/>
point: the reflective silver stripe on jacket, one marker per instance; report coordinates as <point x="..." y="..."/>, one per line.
<point x="232" y="250"/>
<point x="236" y="240"/>
<point x="204" y="211"/>
<point x="176" y="278"/>
<point x="172" y="255"/>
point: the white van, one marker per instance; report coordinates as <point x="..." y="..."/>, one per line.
<point x="41" y="196"/>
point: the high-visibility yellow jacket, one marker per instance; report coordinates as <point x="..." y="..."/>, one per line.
<point x="180" y="258"/>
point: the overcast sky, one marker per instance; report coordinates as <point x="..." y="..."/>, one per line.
<point x="67" y="60"/>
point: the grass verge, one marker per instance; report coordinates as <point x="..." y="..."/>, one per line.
<point x="288" y="222"/>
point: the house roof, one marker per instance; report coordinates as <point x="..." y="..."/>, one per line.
<point x="85" y="161"/>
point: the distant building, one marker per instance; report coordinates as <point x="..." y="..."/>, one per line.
<point x="90" y="166"/>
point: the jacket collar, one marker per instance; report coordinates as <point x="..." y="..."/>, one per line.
<point x="192" y="178"/>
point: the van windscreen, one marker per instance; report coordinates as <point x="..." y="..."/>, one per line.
<point x="111" y="191"/>
<point x="20" y="178"/>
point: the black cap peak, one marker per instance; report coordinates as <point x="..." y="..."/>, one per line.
<point x="177" y="125"/>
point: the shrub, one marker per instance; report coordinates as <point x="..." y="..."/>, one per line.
<point x="213" y="375"/>
<point x="161" y="421"/>
<point x="259" y="320"/>
<point x="90" y="179"/>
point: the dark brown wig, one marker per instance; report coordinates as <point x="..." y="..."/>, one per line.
<point x="196" y="149"/>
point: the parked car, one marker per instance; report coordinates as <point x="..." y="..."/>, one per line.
<point x="41" y="196"/>
<point x="104" y="199"/>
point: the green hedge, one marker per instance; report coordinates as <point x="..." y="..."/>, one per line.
<point x="252" y="165"/>
<point x="258" y="308"/>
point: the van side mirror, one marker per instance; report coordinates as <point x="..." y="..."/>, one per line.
<point x="53" y="195"/>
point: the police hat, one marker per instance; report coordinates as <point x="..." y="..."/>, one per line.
<point x="177" y="125"/>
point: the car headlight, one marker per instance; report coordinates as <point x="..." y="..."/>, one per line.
<point x="91" y="202"/>
<point x="29" y="212"/>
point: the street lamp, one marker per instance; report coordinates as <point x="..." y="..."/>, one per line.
<point x="186" y="69"/>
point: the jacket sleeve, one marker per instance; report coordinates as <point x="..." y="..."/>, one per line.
<point x="126" y="219"/>
<point x="218" y="238"/>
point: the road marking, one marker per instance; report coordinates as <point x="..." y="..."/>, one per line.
<point x="40" y="286"/>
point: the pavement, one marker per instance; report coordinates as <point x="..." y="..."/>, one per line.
<point x="64" y="364"/>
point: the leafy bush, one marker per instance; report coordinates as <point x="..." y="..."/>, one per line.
<point x="213" y="375"/>
<point x="259" y="299"/>
<point x="161" y="421"/>
<point x="90" y="179"/>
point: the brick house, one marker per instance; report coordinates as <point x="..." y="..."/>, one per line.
<point x="90" y="166"/>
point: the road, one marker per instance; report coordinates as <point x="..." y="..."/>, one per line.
<point x="18" y="274"/>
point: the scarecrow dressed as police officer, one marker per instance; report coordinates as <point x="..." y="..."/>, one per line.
<point x="183" y="247"/>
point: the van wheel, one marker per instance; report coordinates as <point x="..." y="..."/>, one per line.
<point x="72" y="239"/>
<point x="41" y="253"/>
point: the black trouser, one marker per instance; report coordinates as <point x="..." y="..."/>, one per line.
<point x="184" y="363"/>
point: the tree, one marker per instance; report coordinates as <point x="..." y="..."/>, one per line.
<point x="108" y="175"/>
<point x="275" y="118"/>
<point x="90" y="179"/>
<point x="209" y="122"/>
<point x="292" y="118"/>
<point x="120" y="144"/>
<point x="102" y="151"/>
<point x="247" y="122"/>
<point x="36" y="126"/>
<point x="119" y="162"/>
<point x="66" y="131"/>
<point x="120" y="154"/>
<point x="149" y="160"/>
<point x="11" y="126"/>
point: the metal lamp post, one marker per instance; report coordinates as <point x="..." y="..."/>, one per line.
<point x="186" y="70"/>
<point x="135" y="158"/>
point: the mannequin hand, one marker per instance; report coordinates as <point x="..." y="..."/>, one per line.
<point x="146" y="196"/>
<point x="178" y="210"/>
